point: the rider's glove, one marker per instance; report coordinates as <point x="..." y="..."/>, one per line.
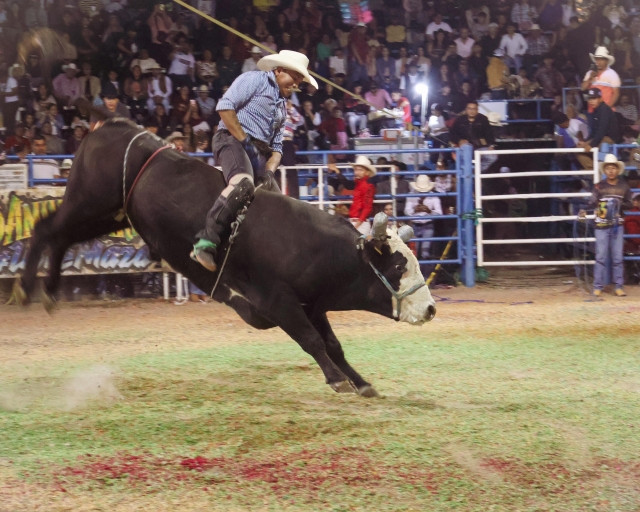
<point x="258" y="162"/>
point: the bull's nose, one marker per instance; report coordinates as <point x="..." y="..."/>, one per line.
<point x="431" y="312"/>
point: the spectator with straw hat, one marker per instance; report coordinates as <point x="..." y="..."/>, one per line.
<point x="423" y="207"/>
<point x="603" y="77"/>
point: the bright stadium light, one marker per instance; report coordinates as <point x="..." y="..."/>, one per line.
<point x="423" y="88"/>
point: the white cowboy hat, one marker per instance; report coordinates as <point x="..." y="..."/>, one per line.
<point x="203" y="88"/>
<point x="494" y="119"/>
<point x="70" y="66"/>
<point x="499" y="52"/>
<point x="422" y="184"/>
<point x="363" y="161"/>
<point x="148" y="65"/>
<point x="602" y="53"/>
<point x="535" y="26"/>
<point x="14" y="67"/>
<point x="202" y="127"/>
<point x="289" y="60"/>
<point x="175" y="136"/>
<point x="611" y="159"/>
<point x="66" y="163"/>
<point x="255" y="49"/>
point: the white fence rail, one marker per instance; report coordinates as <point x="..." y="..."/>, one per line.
<point x="481" y="242"/>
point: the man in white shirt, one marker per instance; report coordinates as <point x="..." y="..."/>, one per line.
<point x="464" y="43"/>
<point x="183" y="65"/>
<point x="337" y="63"/>
<point x="423" y="207"/>
<point x="251" y="64"/>
<point x="514" y="46"/>
<point x="437" y="24"/>
<point x="45" y="168"/>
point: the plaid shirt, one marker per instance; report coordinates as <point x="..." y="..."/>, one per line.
<point x="538" y="46"/>
<point x="523" y="14"/>
<point x="255" y="97"/>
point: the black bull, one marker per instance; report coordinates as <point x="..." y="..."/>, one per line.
<point x="288" y="266"/>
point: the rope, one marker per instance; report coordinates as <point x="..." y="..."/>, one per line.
<point x="444" y="255"/>
<point x="473" y="215"/>
<point x="144" y="167"/>
<point x="123" y="212"/>
<point x="269" y="50"/>
<point x="234" y="233"/>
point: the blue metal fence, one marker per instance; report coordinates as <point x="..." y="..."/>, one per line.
<point x="463" y="172"/>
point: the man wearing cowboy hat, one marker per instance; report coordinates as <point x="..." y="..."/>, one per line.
<point x="251" y="64"/>
<point x="608" y="198"/>
<point x="66" y="86"/>
<point x="206" y="104"/>
<point x="603" y="78"/>
<point x="248" y="143"/>
<point x="422" y="207"/>
<point x="112" y="105"/>
<point x="177" y="139"/>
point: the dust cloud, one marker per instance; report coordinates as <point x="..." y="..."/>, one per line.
<point x="90" y="386"/>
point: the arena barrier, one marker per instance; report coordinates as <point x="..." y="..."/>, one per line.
<point x="12" y="255"/>
<point x="479" y="177"/>
<point x="616" y="149"/>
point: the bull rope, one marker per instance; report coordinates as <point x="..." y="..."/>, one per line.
<point x="269" y="50"/>
<point x="123" y="213"/>
<point x="236" y="226"/>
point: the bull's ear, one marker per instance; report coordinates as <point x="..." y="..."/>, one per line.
<point x="379" y="230"/>
<point x="405" y="233"/>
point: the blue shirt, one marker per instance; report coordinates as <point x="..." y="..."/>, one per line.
<point x="255" y="98"/>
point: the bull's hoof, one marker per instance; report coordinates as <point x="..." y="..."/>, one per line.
<point x="18" y="295"/>
<point x="49" y="302"/>
<point x="368" y="392"/>
<point x="343" y="387"/>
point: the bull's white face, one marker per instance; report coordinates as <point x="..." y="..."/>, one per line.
<point x="419" y="307"/>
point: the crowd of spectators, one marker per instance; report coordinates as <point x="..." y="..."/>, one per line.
<point x="165" y="67"/>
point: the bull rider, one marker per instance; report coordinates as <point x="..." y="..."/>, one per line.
<point x="248" y="143"/>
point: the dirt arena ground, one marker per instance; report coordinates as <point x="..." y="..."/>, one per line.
<point x="38" y="351"/>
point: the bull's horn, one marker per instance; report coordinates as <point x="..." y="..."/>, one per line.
<point x="405" y="233"/>
<point x="380" y="226"/>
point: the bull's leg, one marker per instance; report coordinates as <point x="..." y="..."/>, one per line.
<point x="63" y="240"/>
<point x="283" y="309"/>
<point x="335" y="352"/>
<point x="23" y="288"/>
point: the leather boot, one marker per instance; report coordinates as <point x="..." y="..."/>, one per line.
<point x="218" y="226"/>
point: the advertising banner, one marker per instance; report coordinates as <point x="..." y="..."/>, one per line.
<point x="20" y="210"/>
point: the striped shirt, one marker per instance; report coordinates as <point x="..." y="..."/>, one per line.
<point x="255" y="98"/>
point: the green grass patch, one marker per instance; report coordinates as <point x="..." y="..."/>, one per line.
<point x="520" y="424"/>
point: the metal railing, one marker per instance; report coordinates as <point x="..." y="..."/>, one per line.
<point x="615" y="149"/>
<point x="481" y="242"/>
<point x="566" y="89"/>
<point x="537" y="101"/>
<point x="464" y="194"/>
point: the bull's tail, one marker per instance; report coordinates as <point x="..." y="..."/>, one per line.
<point x="44" y="41"/>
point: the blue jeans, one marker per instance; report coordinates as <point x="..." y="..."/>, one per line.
<point x="358" y="72"/>
<point x="609" y="242"/>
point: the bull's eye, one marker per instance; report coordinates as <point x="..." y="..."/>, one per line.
<point x="400" y="268"/>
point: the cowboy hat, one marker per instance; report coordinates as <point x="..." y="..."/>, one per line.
<point x="255" y="49"/>
<point x="15" y="67"/>
<point x="148" y="65"/>
<point x="70" y="66"/>
<point x="66" y="163"/>
<point x="203" y="88"/>
<point x="289" y="60"/>
<point x="422" y="184"/>
<point x="611" y="159"/>
<point x="175" y="136"/>
<point x="494" y="119"/>
<point x="363" y="161"/>
<point x="602" y="53"/>
<point x="535" y="26"/>
<point x="499" y="52"/>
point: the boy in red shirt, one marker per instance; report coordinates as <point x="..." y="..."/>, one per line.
<point x="363" y="193"/>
